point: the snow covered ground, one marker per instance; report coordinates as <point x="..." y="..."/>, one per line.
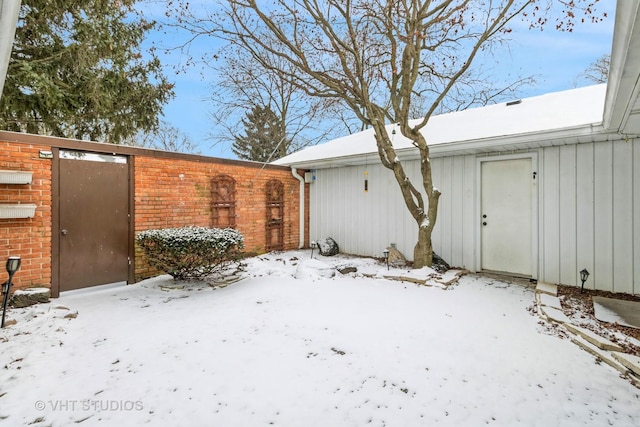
<point x="290" y="346"/>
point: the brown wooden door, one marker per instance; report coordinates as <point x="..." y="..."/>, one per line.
<point x="93" y="220"/>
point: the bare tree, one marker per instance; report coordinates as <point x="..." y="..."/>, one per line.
<point x="598" y="71"/>
<point x="166" y="137"/>
<point x="242" y="86"/>
<point x="381" y="59"/>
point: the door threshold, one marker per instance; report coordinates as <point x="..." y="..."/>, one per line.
<point x="90" y="289"/>
<point x="511" y="277"/>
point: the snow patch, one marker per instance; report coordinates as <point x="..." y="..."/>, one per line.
<point x="314" y="351"/>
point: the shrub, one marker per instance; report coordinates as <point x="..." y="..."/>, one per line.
<point x="191" y="252"/>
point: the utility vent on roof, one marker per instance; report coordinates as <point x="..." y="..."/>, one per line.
<point x="516" y="102"/>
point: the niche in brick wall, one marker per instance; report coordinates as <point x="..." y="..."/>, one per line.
<point x="275" y="215"/>
<point x="223" y="201"/>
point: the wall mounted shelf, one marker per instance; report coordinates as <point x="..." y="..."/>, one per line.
<point x="15" y="177"/>
<point x="17" y="211"/>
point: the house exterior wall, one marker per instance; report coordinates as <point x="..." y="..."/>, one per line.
<point x="590" y="215"/>
<point x="366" y="222"/>
<point x="171" y="190"/>
<point x="587" y="213"/>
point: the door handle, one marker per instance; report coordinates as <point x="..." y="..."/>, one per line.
<point x="63" y="232"/>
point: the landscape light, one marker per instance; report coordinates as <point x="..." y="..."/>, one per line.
<point x="386" y="257"/>
<point x="13" y="264"/>
<point x="313" y="246"/>
<point x="584" y="275"/>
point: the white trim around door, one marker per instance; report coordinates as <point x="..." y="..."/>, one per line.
<point x="513" y="222"/>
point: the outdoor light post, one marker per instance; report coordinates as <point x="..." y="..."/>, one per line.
<point x="386" y="257"/>
<point x="313" y="246"/>
<point x="13" y="264"/>
<point x="584" y="274"/>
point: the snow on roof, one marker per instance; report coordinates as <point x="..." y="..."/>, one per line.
<point x="556" y="111"/>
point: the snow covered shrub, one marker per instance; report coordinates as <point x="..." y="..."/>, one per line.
<point x="191" y="252"/>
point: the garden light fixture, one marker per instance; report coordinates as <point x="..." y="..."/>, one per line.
<point x="313" y="246"/>
<point x="13" y="264"/>
<point x="584" y="275"/>
<point x="386" y="257"/>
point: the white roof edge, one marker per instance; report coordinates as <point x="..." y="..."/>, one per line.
<point x="550" y="116"/>
<point x="542" y="139"/>
<point x="624" y="74"/>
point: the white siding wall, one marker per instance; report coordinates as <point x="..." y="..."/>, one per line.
<point x="364" y="223"/>
<point x="590" y="215"/>
<point x="588" y="212"/>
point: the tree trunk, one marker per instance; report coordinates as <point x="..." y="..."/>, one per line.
<point x="423" y="251"/>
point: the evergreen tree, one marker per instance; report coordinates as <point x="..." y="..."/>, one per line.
<point x="77" y="71"/>
<point x="265" y="139"/>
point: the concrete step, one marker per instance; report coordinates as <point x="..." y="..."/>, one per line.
<point x="549" y="301"/>
<point x="554" y="315"/>
<point x="593" y="338"/>
<point x="550" y="310"/>
<point x="630" y="361"/>
<point x="547" y="288"/>
<point x="603" y="355"/>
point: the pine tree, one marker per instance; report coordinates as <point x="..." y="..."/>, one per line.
<point x="265" y="138"/>
<point x="77" y="71"/>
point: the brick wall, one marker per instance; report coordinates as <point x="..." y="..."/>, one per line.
<point x="171" y="190"/>
<point x="28" y="238"/>
<point x="175" y="193"/>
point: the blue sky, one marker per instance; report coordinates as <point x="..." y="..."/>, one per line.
<point x="556" y="59"/>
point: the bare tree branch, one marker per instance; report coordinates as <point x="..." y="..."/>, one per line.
<point x="386" y="61"/>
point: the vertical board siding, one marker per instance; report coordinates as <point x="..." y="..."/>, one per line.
<point x="361" y="222"/>
<point x="445" y="205"/>
<point x="622" y="280"/>
<point x="603" y="216"/>
<point x="588" y="202"/>
<point x="364" y="223"/>
<point x="567" y="198"/>
<point x="457" y="211"/>
<point x="550" y="217"/>
<point x="593" y="225"/>
<point x="585" y="251"/>
<point x="470" y="216"/>
<point x="436" y="235"/>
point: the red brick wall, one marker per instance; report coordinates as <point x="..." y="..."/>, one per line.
<point x="28" y="238"/>
<point x="176" y="193"/>
<point x="170" y="191"/>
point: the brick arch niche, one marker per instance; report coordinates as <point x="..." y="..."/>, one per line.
<point x="274" y="192"/>
<point x="223" y="201"/>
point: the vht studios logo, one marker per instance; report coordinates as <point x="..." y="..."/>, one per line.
<point x="89" y="405"/>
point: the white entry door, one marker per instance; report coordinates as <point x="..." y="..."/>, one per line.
<point x="506" y="216"/>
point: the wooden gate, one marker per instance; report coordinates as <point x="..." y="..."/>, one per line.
<point x="93" y="220"/>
